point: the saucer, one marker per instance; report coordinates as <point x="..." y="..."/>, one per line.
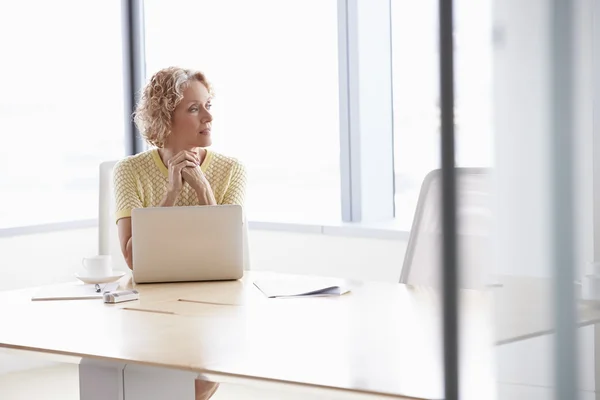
<point x="100" y="279"/>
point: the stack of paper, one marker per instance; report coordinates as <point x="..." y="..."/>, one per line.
<point x="301" y="287"/>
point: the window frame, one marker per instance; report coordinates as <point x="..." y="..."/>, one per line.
<point x="134" y="55"/>
<point x="366" y="111"/>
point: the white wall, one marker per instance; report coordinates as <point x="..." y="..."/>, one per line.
<point x="349" y="257"/>
<point x="46" y="258"/>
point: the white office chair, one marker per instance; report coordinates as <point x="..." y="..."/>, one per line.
<point x="108" y="237"/>
<point x="422" y="260"/>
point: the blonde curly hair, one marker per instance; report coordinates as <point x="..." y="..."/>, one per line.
<point x="160" y="96"/>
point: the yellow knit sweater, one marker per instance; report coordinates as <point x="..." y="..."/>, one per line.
<point x="141" y="181"/>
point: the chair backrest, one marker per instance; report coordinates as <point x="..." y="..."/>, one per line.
<point x="108" y="237"/>
<point x="422" y="260"/>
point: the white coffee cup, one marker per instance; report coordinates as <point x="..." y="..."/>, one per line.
<point x="97" y="266"/>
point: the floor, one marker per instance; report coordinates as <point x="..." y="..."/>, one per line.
<point x="62" y="382"/>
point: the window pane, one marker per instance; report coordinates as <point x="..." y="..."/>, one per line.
<point x="61" y="109"/>
<point x="415" y="60"/>
<point x="274" y="68"/>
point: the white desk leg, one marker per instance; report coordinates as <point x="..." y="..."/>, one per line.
<point x="113" y="381"/>
<point x="151" y="383"/>
<point x="100" y="380"/>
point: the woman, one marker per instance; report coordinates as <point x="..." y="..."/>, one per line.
<point x="173" y="115"/>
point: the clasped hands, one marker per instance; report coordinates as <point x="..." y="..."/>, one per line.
<point x="185" y="167"/>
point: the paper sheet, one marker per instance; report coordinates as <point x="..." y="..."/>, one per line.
<point x="73" y="291"/>
<point x="301" y="287"/>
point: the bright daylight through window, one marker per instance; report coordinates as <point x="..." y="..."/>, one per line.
<point x="416" y="93"/>
<point x="61" y="112"/>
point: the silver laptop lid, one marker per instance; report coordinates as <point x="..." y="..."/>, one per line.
<point x="176" y="244"/>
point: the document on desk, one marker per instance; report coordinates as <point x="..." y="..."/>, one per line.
<point x="301" y="287"/>
<point x="73" y="291"/>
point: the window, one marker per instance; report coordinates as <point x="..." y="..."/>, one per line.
<point x="415" y="61"/>
<point x="274" y="67"/>
<point x="61" y="109"/>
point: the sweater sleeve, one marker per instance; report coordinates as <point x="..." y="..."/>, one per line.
<point x="125" y="190"/>
<point x="236" y="190"/>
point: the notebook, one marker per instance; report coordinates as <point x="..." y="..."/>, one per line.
<point x="301" y="287"/>
<point x="74" y="291"/>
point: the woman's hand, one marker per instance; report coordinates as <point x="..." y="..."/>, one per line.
<point x="197" y="180"/>
<point x="183" y="159"/>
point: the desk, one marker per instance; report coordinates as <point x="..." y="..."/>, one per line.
<point x="382" y="340"/>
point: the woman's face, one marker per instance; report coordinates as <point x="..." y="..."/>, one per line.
<point x="191" y="124"/>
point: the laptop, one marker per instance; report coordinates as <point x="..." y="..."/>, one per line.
<point x="182" y="244"/>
